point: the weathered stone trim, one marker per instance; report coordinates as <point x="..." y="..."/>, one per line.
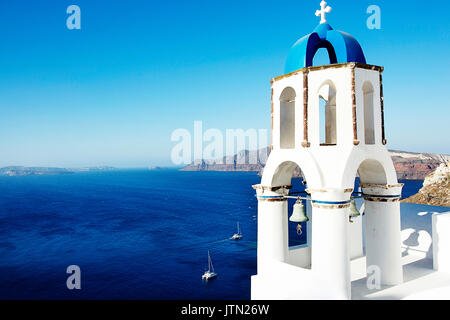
<point x="271" y="120"/>
<point x="329" y="66"/>
<point x="382" y="199"/>
<point x="330" y="206"/>
<point x="354" y="116"/>
<point x="383" y="137"/>
<point x="381" y="186"/>
<point x="305" y="143"/>
<point x="272" y="198"/>
<point x="269" y="188"/>
<point x="309" y="191"/>
<point x="331" y="202"/>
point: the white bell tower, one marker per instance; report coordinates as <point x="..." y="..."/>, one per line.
<point x="328" y="120"/>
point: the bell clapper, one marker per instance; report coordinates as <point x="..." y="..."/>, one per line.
<point x="299" y="229"/>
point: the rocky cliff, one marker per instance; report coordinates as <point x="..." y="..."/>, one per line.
<point x="436" y="188"/>
<point x="409" y="165"/>
<point x="243" y="161"/>
<point x="416" y="166"/>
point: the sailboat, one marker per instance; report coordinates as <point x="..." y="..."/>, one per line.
<point x="238" y="235"/>
<point x="210" y="274"/>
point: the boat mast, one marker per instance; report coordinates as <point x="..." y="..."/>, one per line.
<point x="210" y="265"/>
<point x="209" y="262"/>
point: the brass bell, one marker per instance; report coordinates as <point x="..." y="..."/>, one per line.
<point x="353" y="210"/>
<point x="298" y="213"/>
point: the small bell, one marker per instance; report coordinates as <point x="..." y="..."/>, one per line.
<point x="353" y="210"/>
<point x="298" y="214"/>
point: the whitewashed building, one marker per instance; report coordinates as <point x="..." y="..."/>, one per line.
<point x="331" y="146"/>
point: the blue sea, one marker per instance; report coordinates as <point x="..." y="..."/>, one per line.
<point x="135" y="234"/>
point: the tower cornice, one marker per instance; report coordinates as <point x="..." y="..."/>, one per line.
<point x="329" y="67"/>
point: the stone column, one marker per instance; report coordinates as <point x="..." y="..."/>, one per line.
<point x="272" y="225"/>
<point x="330" y="236"/>
<point x="382" y="227"/>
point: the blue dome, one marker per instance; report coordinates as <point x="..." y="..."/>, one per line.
<point x="341" y="48"/>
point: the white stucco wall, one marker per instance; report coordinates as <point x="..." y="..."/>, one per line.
<point x="441" y="241"/>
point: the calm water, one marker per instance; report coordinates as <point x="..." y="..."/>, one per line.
<point x="135" y="234"/>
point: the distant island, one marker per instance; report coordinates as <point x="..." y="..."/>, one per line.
<point x="409" y="165"/>
<point x="157" y="168"/>
<point x="39" y="171"/>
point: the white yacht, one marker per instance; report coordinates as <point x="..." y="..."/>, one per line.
<point x="210" y="274"/>
<point x="238" y="235"/>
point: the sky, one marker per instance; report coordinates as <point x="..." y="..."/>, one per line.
<point x="113" y="92"/>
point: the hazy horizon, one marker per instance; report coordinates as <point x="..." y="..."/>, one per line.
<point x="144" y="166"/>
